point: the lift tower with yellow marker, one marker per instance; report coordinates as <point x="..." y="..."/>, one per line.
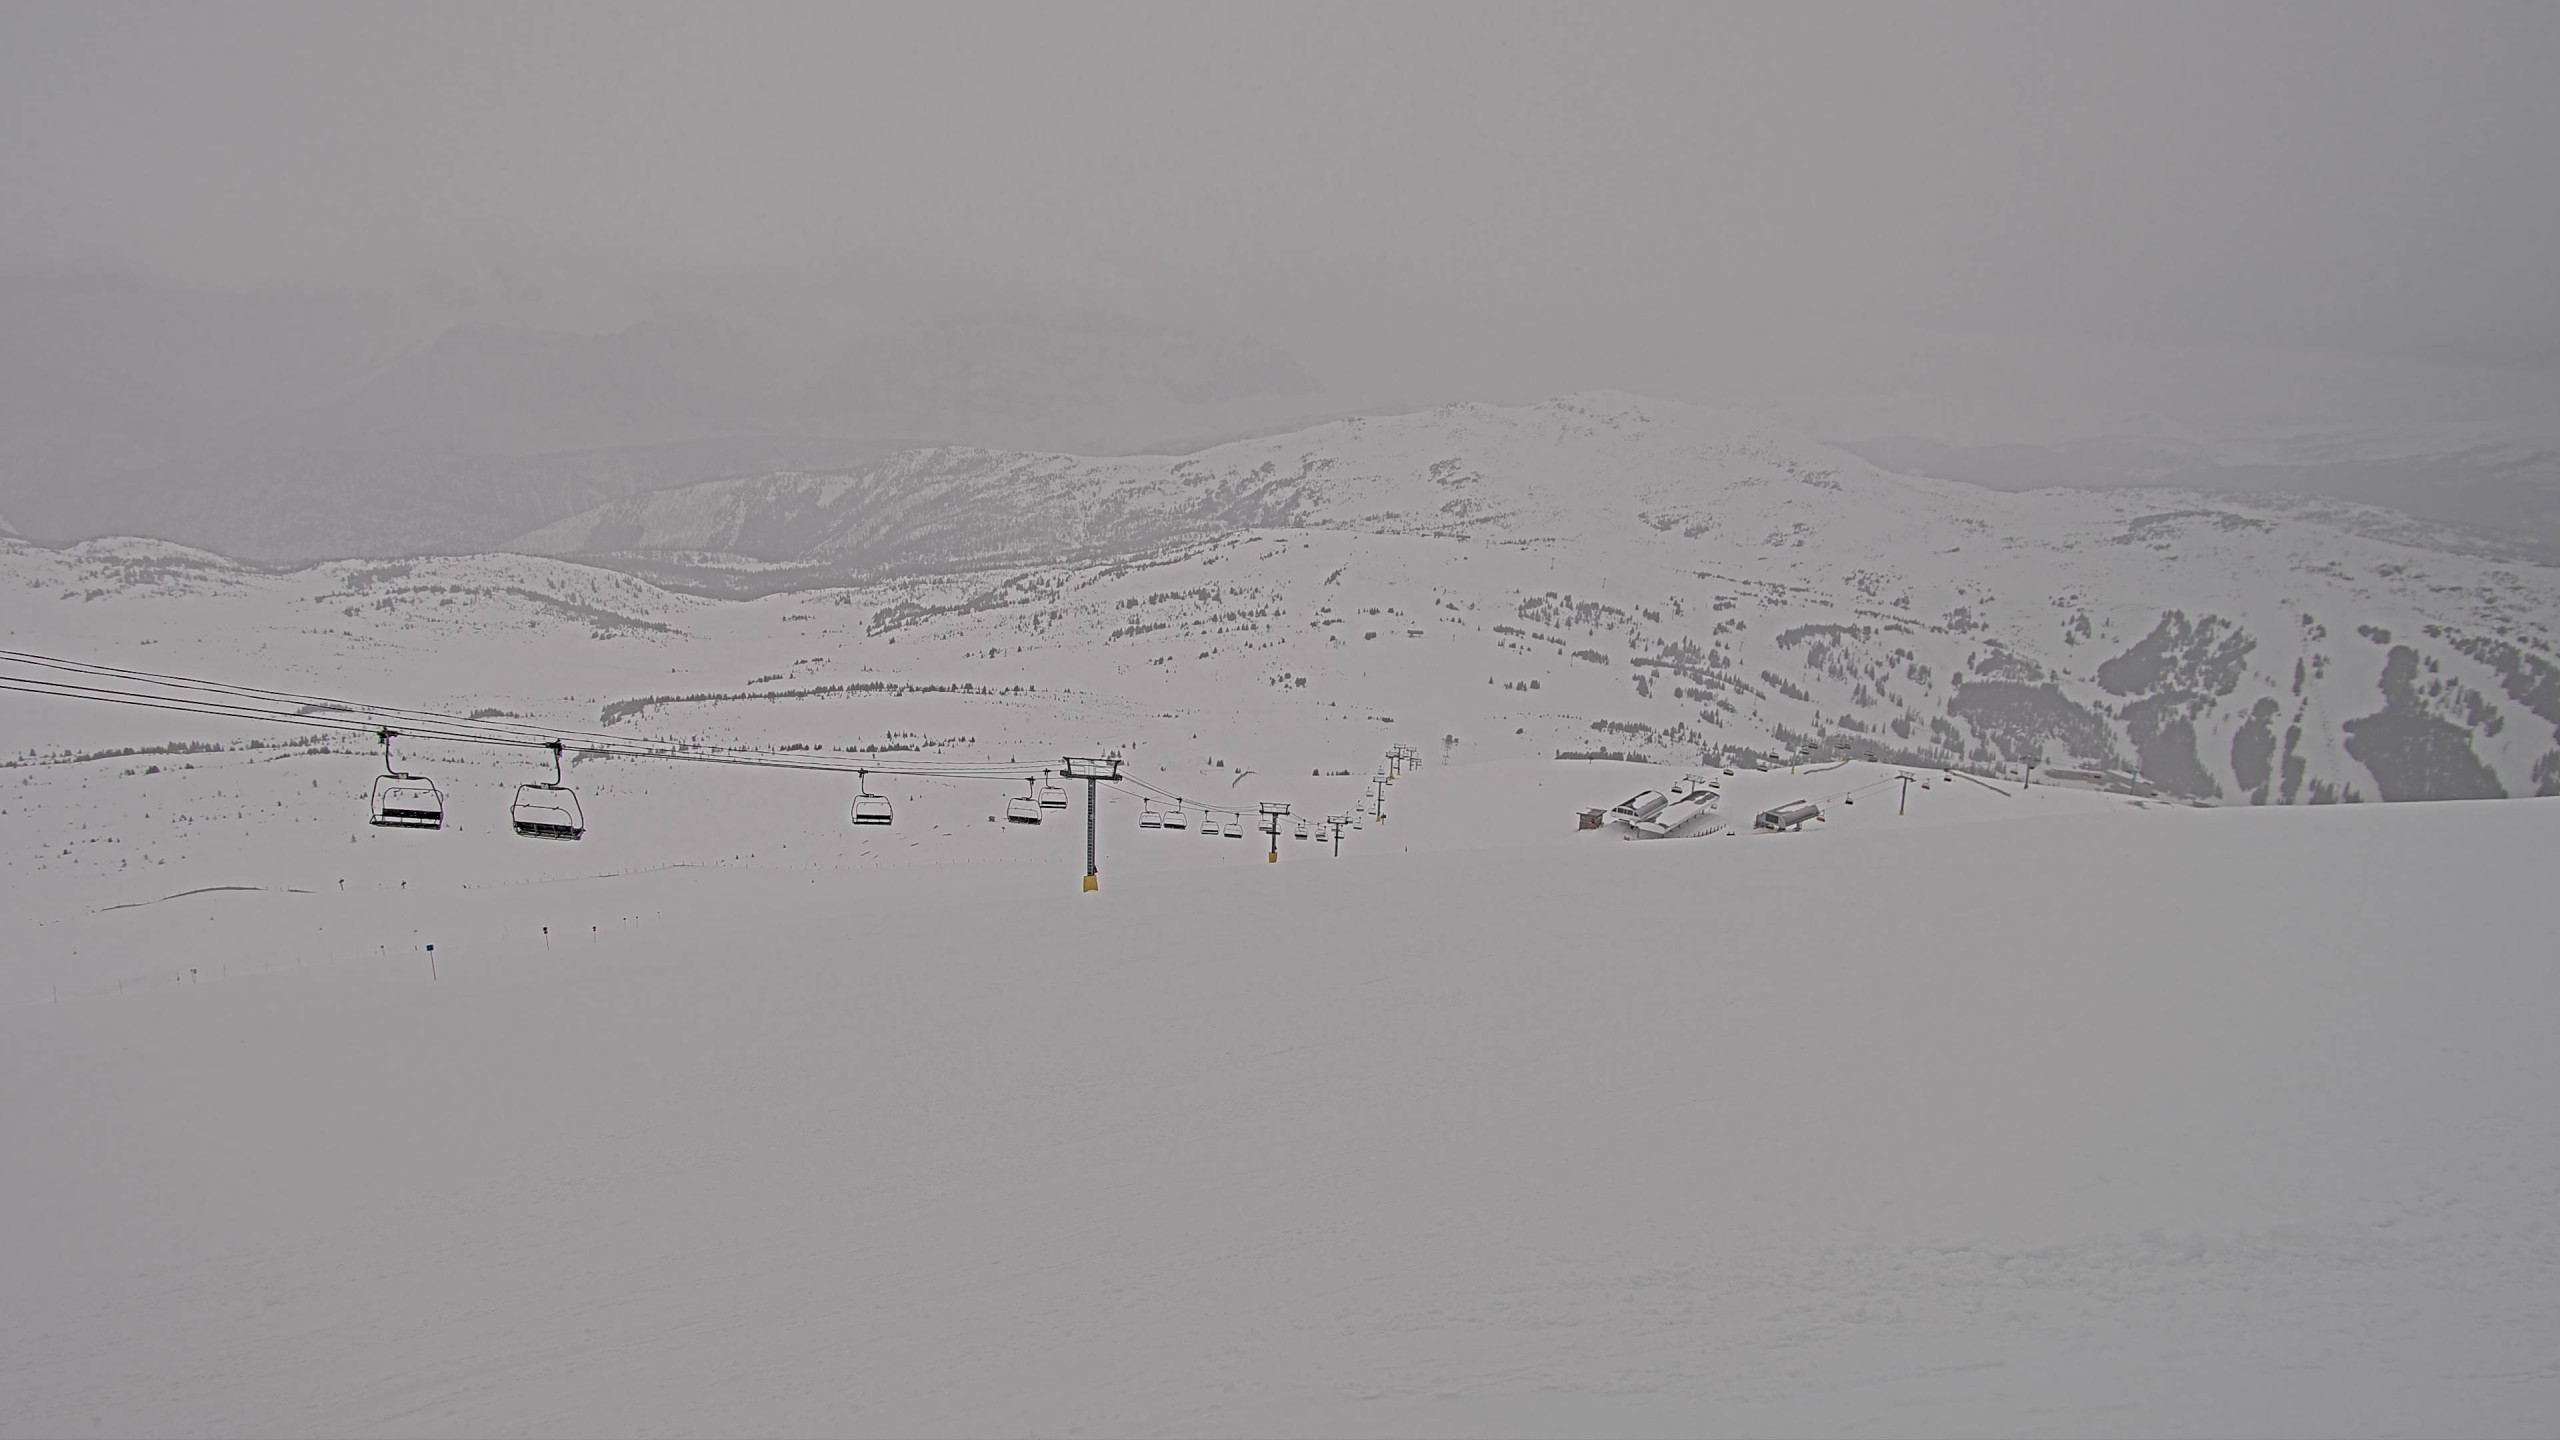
<point x="1092" y="770"/>
<point x="1271" y="814"/>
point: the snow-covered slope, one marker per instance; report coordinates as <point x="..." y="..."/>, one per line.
<point x="1973" y="1107"/>
<point x="2105" y="1119"/>
<point x="1728" y="584"/>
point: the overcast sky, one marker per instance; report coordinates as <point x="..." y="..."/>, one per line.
<point x="2325" y="174"/>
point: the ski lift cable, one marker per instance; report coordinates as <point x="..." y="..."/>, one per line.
<point x="220" y="699"/>
<point x="459" y="727"/>
<point x="404" y="719"/>
<point x="420" y="729"/>
<point x="351" y="725"/>
<point x="251" y="702"/>
<point x="223" y="710"/>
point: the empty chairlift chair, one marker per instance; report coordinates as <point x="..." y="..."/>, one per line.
<point x="1174" y="819"/>
<point x="1053" y="796"/>
<point x="549" y="810"/>
<point x="1302" y="829"/>
<point x="402" y="801"/>
<point x="1149" y="818"/>
<point x="1024" y="809"/>
<point x="869" y="809"/>
<point x="1235" y="825"/>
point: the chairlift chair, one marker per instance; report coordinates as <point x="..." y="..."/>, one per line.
<point x="1053" y="796"/>
<point x="1174" y="819"/>
<point x="1235" y="826"/>
<point x="1149" y="818"/>
<point x="548" y="810"/>
<point x="1302" y="830"/>
<point x="1024" y="809"/>
<point x="402" y="801"/>
<point x="870" y="809"/>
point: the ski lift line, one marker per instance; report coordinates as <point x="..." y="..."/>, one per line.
<point x="349" y="725"/>
<point x="356" y="717"/>
<point x="354" y="723"/>
<point x="220" y="709"/>
<point x="594" y="743"/>
<point x="406" y="718"/>
<point x="451" y="727"/>
<point x="218" y="699"/>
<point x="1143" y="783"/>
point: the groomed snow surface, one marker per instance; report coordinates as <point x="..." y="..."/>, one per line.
<point x="2029" y="1114"/>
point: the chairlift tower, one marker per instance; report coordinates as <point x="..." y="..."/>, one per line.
<point x="1092" y="770"/>
<point x="1271" y="824"/>
<point x="1336" y="823"/>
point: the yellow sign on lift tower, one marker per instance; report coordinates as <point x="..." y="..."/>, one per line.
<point x="1092" y="771"/>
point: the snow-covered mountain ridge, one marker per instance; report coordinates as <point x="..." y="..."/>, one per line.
<point x="1599" y="574"/>
<point x="1873" y="587"/>
<point x="733" y="1087"/>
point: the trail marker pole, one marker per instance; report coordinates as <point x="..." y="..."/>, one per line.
<point x="1092" y="771"/>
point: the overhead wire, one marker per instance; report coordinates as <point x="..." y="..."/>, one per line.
<point x="479" y="729"/>
<point x="185" y="694"/>
<point x="226" y="710"/>
<point x="195" y="695"/>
